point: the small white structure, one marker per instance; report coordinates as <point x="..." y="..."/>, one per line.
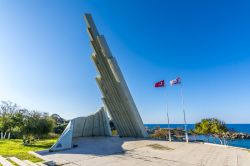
<point x="92" y="125"/>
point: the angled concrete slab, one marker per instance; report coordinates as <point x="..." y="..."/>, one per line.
<point x="116" y="95"/>
<point x="90" y="126"/>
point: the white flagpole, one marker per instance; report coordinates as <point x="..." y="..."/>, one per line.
<point x="184" y="114"/>
<point x="169" y="133"/>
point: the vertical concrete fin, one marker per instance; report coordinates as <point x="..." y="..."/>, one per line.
<point x="104" y="46"/>
<point x="107" y="129"/>
<point x="90" y="24"/>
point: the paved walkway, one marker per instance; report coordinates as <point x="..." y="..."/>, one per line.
<point x="113" y="151"/>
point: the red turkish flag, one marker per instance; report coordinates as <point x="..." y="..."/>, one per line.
<point x="160" y="84"/>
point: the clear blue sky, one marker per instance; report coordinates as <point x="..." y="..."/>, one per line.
<point x="45" y="56"/>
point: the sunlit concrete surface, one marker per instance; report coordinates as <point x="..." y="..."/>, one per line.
<point x="113" y="151"/>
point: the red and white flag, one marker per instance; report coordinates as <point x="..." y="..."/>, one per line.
<point x="175" y="81"/>
<point x="160" y="84"/>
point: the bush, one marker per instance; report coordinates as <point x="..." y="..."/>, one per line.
<point x="60" y="128"/>
<point x="114" y="132"/>
<point x="50" y="135"/>
<point x="160" y="133"/>
<point x="37" y="125"/>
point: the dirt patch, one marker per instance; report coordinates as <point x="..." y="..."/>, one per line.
<point x="159" y="147"/>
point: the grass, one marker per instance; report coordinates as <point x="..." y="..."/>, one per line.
<point x="114" y="132"/>
<point x="15" y="148"/>
<point x="159" y="147"/>
<point x="12" y="162"/>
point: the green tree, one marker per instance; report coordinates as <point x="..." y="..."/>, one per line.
<point x="38" y="124"/>
<point x="211" y="127"/>
<point x="60" y="123"/>
<point x="7" y="112"/>
<point x="22" y="122"/>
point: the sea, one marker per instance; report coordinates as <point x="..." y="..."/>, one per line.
<point x="244" y="128"/>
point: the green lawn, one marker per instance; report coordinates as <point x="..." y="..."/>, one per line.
<point x="15" y="147"/>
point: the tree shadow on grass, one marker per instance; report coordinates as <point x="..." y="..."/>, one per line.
<point x="39" y="146"/>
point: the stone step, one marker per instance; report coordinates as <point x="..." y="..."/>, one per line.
<point x="38" y="156"/>
<point x="30" y="163"/>
<point x="45" y="162"/>
<point x="41" y="164"/>
<point x="5" y="162"/>
<point x="18" y="162"/>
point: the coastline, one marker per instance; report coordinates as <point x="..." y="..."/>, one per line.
<point x="240" y="129"/>
<point x="245" y="128"/>
<point x="226" y="146"/>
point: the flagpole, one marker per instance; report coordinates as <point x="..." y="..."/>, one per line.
<point x="184" y="114"/>
<point x="169" y="133"/>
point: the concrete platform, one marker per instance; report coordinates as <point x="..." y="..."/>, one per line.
<point x="113" y="151"/>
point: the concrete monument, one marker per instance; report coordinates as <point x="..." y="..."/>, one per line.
<point x="116" y="95"/>
<point x="90" y="126"/>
